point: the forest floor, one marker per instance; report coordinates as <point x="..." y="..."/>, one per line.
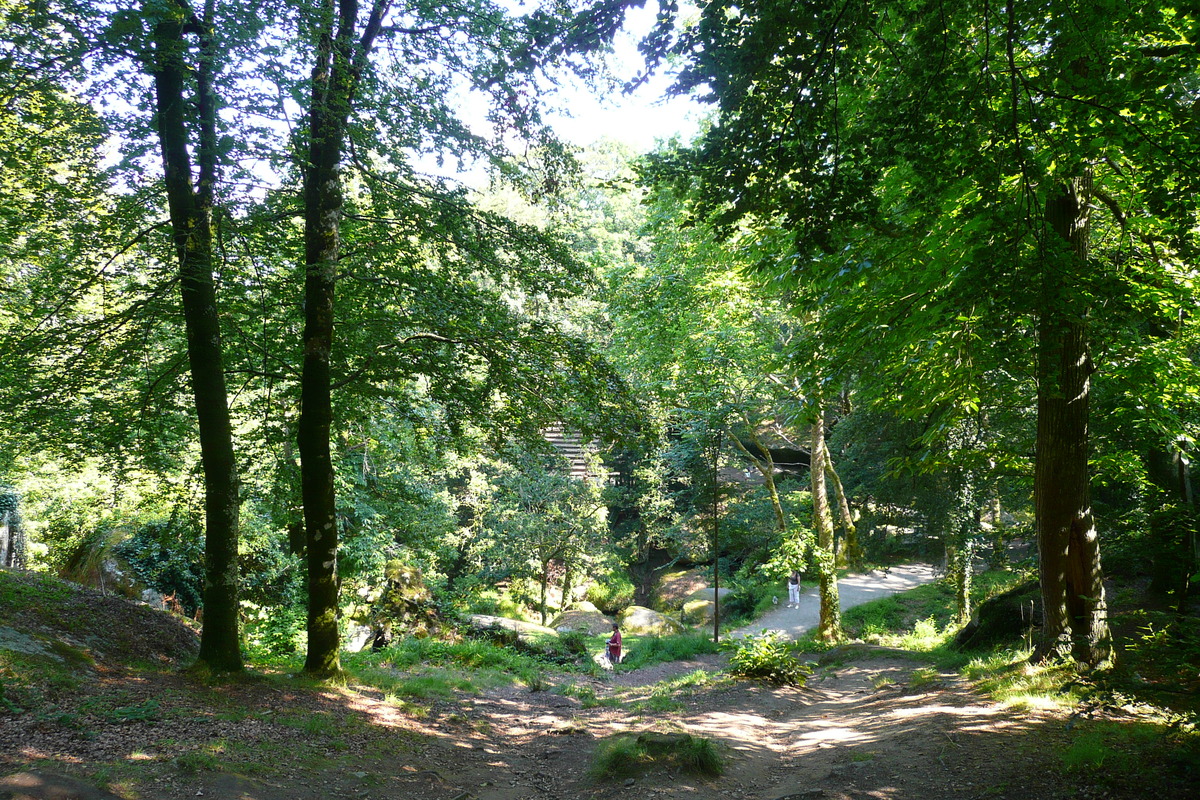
<point x="871" y="723"/>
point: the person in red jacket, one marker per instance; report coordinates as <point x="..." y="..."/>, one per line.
<point x="614" y="645"/>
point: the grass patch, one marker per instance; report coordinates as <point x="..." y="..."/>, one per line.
<point x="1161" y="655"/>
<point x="667" y="696"/>
<point x="32" y="592"/>
<point x="880" y="681"/>
<point x="643" y="651"/>
<point x="435" y="682"/>
<point x="626" y="755"/>
<point x="473" y="654"/>
<point x="1007" y="676"/>
<point x="922" y="618"/>
<point x="34" y="680"/>
<point x="1126" y="756"/>
<point x="196" y="761"/>
<point x="587" y="697"/>
<point x="923" y="677"/>
<point x="925" y="636"/>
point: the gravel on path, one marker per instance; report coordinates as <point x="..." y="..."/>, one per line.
<point x="853" y="590"/>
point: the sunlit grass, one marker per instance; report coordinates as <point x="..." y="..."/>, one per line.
<point x="921" y="619"/>
<point x="669" y="695"/>
<point x="587" y="696"/>
<point x="926" y="636"/>
<point x="1008" y="677"/>
<point x="881" y="681"/>
<point x="923" y="677"/>
<point x="646" y="650"/>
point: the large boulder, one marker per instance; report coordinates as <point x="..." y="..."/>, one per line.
<point x="708" y="593"/>
<point x="356" y="637"/>
<point x="98" y="564"/>
<point x="699" y="606"/>
<point x="401" y="605"/>
<point x="592" y="623"/>
<point x="643" y="621"/>
<point x="698" y="612"/>
<point x="1002" y="619"/>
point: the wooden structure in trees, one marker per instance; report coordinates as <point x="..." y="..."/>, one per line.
<point x="579" y="455"/>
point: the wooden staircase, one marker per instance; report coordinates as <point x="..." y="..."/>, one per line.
<point x="573" y="448"/>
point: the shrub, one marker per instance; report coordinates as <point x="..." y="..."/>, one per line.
<point x="750" y="599"/>
<point x="768" y="657"/>
<point x="611" y="593"/>
<point x="168" y="555"/>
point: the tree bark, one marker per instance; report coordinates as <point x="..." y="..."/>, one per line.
<point x="339" y="64"/>
<point x="852" y="553"/>
<point x="960" y="550"/>
<point x="191" y="223"/>
<point x="1071" y="579"/>
<point x="830" y="627"/>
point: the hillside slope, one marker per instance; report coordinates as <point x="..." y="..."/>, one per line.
<point x="60" y="637"/>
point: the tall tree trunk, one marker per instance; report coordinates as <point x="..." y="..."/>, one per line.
<point x="960" y="550"/>
<point x="340" y="61"/>
<point x="544" y="586"/>
<point x="1172" y="521"/>
<point x="852" y="552"/>
<point x="1071" y="580"/>
<point x="830" y="627"/>
<point x="322" y="228"/>
<point x="716" y="538"/>
<point x="568" y="581"/>
<point x="191" y="223"/>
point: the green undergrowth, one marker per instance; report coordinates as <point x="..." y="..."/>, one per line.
<point x="767" y="656"/>
<point x="1128" y="756"/>
<point x="923" y="618"/>
<point x="672" y="694"/>
<point x="1130" y="727"/>
<point x="1006" y="675"/>
<point x="643" y="651"/>
<point x="627" y="755"/>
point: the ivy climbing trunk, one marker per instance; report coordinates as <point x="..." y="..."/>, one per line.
<point x="829" y="628"/>
<point x="1071" y="580"/>
<point x="340" y="60"/>
<point x="851" y="553"/>
<point x="190" y="211"/>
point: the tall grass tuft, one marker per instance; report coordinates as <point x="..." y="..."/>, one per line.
<point x="647" y="650"/>
<point x="625" y="755"/>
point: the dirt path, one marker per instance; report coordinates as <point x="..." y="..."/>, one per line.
<point x="877" y="727"/>
<point x="853" y="590"/>
<point x="872" y="724"/>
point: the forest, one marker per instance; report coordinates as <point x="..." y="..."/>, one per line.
<point x="315" y="331"/>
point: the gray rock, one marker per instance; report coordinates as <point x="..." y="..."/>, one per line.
<point x="643" y="621"/>
<point x="591" y="622"/>
<point x="708" y="593"/>
<point x="519" y="626"/>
